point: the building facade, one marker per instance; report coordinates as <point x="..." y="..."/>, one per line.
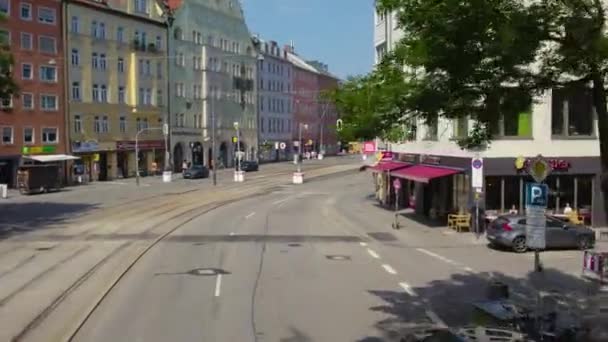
<point x="32" y="122"/>
<point x="560" y="125"/>
<point x="327" y="115"/>
<point x="213" y="79"/>
<point x="275" y="101"/>
<point x="117" y="87"/>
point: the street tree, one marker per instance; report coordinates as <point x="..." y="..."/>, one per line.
<point x="7" y="84"/>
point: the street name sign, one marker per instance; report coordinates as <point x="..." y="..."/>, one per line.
<point x="537" y="196"/>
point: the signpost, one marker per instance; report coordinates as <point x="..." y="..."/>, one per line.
<point x="397" y="186"/>
<point x="477" y="184"/>
<point x="537" y="196"/>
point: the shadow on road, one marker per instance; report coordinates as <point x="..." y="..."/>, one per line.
<point x="576" y="300"/>
<point x="19" y="218"/>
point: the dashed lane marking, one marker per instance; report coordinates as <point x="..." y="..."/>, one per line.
<point x="250" y="215"/>
<point x="408" y="289"/>
<point x="362" y="244"/>
<point x="218" y="285"/>
<point x="373" y="254"/>
<point x="389" y="269"/>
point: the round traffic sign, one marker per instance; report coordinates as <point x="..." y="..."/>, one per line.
<point x="282" y="146"/>
<point x="397" y="183"/>
<point x="477" y="163"/>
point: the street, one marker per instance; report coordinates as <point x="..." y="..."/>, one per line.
<point x="316" y="262"/>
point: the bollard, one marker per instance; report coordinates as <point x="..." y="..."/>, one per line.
<point x="3" y="190"/>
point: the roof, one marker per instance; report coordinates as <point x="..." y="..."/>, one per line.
<point x="300" y="63"/>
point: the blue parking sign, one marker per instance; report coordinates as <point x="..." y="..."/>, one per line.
<point x="537" y="195"/>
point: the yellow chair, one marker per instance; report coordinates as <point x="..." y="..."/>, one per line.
<point x="459" y="222"/>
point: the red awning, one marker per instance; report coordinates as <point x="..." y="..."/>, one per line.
<point x="389" y="165"/>
<point x="424" y="173"/>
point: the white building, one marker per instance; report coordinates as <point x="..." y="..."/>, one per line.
<point x="561" y="125"/>
<point x="275" y="99"/>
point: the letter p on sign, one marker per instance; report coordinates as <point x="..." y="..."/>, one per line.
<point x="537" y="194"/>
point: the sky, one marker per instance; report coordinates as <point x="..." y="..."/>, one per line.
<point x="336" y="32"/>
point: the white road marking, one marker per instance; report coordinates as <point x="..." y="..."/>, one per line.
<point x="280" y="201"/>
<point x="231" y="233"/>
<point x="408" y="289"/>
<point x="363" y="244"/>
<point x="437" y="256"/>
<point x="218" y="285"/>
<point x="470" y="270"/>
<point x="433" y="317"/>
<point x="250" y="215"/>
<point x="373" y="254"/>
<point x="389" y="269"/>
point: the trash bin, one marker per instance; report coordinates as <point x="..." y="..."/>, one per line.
<point x="3" y="190"/>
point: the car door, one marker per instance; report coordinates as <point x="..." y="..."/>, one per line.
<point x="558" y="235"/>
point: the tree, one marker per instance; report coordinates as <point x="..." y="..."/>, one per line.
<point x="7" y="84"/>
<point x="484" y="58"/>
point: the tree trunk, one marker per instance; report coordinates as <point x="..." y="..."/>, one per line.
<point x="599" y="101"/>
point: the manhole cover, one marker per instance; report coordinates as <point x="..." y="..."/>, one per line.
<point x="338" y="257"/>
<point x="206" y="272"/>
<point x="382" y="236"/>
<point x="294" y="245"/>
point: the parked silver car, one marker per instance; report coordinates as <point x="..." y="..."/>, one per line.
<point x="510" y="231"/>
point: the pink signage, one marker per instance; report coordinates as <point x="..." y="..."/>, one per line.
<point x="369" y="147"/>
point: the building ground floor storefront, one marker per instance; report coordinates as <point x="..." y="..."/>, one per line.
<point x="9" y="164"/>
<point x="435" y="186"/>
<point x="115" y="160"/>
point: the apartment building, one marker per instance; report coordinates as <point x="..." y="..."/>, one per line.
<point x="32" y="122"/>
<point x="117" y="86"/>
<point x="275" y="101"/>
<point x="561" y="125"/>
<point x="213" y="76"/>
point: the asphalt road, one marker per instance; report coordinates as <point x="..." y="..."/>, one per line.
<point x="318" y="262"/>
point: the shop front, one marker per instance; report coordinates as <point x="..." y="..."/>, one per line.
<point x="48" y="154"/>
<point x="8" y="169"/>
<point x="151" y="157"/>
<point x="97" y="161"/>
<point x="573" y="182"/>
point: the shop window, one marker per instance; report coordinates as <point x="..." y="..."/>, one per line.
<point x="584" y="192"/>
<point x="512" y="193"/>
<point x="551" y="182"/>
<point x="566" y="192"/>
<point x="493" y="193"/>
<point x="572" y="111"/>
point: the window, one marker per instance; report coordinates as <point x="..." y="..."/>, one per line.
<point x="95" y="93"/>
<point x="140" y="66"/>
<point x="7" y="135"/>
<point x="102" y="61"/>
<point x="27" y="100"/>
<point x="4" y="6"/>
<point x="159" y="69"/>
<point x="148" y="97"/>
<point x="145" y="123"/>
<point x="262" y="124"/>
<point x="104" y="93"/>
<point x="26" y="41"/>
<point x="6" y="102"/>
<point x="26" y="71"/>
<point x="94" y="28"/>
<point x="572" y="112"/>
<point x="121" y="65"/>
<point x="159" y="42"/>
<point x="159" y="97"/>
<point x="97" y="124"/>
<point x="123" y="124"/>
<point x="5" y="37"/>
<point x="102" y="31"/>
<point x="141" y="6"/>
<point x="75" y="57"/>
<point x="77" y="124"/>
<point x="142" y="96"/>
<point x="431" y="130"/>
<point x="121" y="95"/>
<point x="516" y="116"/>
<point x="28" y="135"/>
<point x="138" y="124"/>
<point x="120" y="35"/>
<point x="46" y="15"/>
<point x="94" y="60"/>
<point x="76" y="91"/>
<point x="105" y="125"/>
<point x="49" y="135"/>
<point x="75" y="25"/>
<point x="261" y="103"/>
<point x="47" y="44"/>
<point x="48" y="102"/>
<point x="48" y="73"/>
<point x="148" y="68"/>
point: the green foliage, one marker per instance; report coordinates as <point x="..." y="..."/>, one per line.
<point x="7" y="84"/>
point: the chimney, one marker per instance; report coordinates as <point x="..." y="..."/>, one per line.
<point x="292" y="45"/>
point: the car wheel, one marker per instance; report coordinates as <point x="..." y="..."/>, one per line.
<point x="584" y="243"/>
<point x="519" y="244"/>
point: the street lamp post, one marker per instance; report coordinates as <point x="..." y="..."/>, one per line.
<point x="165" y="131"/>
<point x="238" y="174"/>
<point x="213" y="152"/>
<point x="169" y="19"/>
<point x="321" y="148"/>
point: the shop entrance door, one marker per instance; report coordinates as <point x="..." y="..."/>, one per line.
<point x="103" y="167"/>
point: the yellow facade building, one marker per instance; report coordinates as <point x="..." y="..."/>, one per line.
<point x="117" y="86"/>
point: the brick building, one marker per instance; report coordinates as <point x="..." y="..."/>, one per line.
<point x="32" y="122"/>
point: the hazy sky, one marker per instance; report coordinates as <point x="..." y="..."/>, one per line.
<point x="336" y="32"/>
